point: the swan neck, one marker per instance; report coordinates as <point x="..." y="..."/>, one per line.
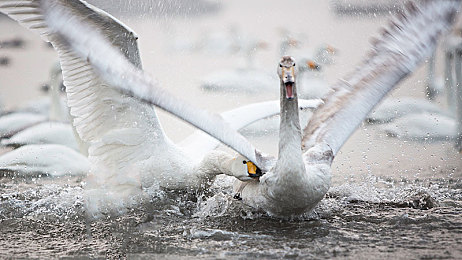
<point x="215" y="163"/>
<point x="290" y="135"/>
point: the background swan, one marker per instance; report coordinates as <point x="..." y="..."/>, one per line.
<point x="44" y="160"/>
<point x="51" y="108"/>
<point x="391" y="109"/>
<point x="44" y="133"/>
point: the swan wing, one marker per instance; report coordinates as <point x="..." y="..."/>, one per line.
<point x="199" y="143"/>
<point x="116" y="126"/>
<point x="410" y="37"/>
<point x="115" y="69"/>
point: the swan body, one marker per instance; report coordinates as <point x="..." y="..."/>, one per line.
<point x="49" y="108"/>
<point x="12" y="123"/>
<point x="44" y="160"/>
<point x="392" y="109"/>
<point x="423" y="127"/>
<point x="247" y="80"/>
<point x="44" y="133"/>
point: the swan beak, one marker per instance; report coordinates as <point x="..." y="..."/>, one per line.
<point x="289" y="90"/>
<point x="253" y="170"/>
<point x="288" y="78"/>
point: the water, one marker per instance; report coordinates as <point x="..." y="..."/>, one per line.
<point x="420" y="219"/>
<point x="389" y="199"/>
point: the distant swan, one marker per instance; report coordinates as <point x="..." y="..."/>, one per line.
<point x="49" y="108"/>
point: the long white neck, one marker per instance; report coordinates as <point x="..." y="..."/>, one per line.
<point x="213" y="164"/>
<point x="290" y="137"/>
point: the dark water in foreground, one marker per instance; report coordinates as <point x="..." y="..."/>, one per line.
<point x="420" y="219"/>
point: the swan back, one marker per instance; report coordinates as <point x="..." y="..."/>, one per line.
<point x="410" y="37"/>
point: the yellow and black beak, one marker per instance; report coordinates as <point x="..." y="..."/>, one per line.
<point x="253" y="170"/>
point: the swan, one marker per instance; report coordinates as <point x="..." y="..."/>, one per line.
<point x="43" y="160"/>
<point x="391" y="109"/>
<point x="423" y="127"/>
<point x="298" y="179"/>
<point x="44" y="133"/>
<point x="127" y="144"/>
<point x="50" y="108"/>
<point x="246" y="78"/>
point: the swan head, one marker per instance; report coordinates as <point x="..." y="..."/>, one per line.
<point x="286" y="72"/>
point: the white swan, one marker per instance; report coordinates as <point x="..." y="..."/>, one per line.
<point x="44" y="133"/>
<point x="298" y="180"/>
<point x="427" y="127"/>
<point x="50" y="108"/>
<point x="300" y="177"/>
<point x="127" y="143"/>
<point x="391" y="109"/>
<point x="246" y="78"/>
<point x="43" y="160"/>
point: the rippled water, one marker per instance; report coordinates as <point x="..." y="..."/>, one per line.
<point x="418" y="219"/>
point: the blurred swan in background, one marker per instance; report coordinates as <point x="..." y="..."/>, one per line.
<point x="246" y="78"/>
<point x="51" y="108"/>
<point x="44" y="133"/>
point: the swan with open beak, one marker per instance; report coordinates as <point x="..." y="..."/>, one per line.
<point x="287" y="74"/>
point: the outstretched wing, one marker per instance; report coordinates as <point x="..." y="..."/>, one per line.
<point x="199" y="143"/>
<point x="410" y="37"/>
<point x="100" y="113"/>
<point x="92" y="45"/>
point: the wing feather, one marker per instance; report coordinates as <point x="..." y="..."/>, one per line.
<point x="97" y="109"/>
<point x="89" y="43"/>
<point x="408" y="40"/>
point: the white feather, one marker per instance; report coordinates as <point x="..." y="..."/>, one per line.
<point x="409" y="39"/>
